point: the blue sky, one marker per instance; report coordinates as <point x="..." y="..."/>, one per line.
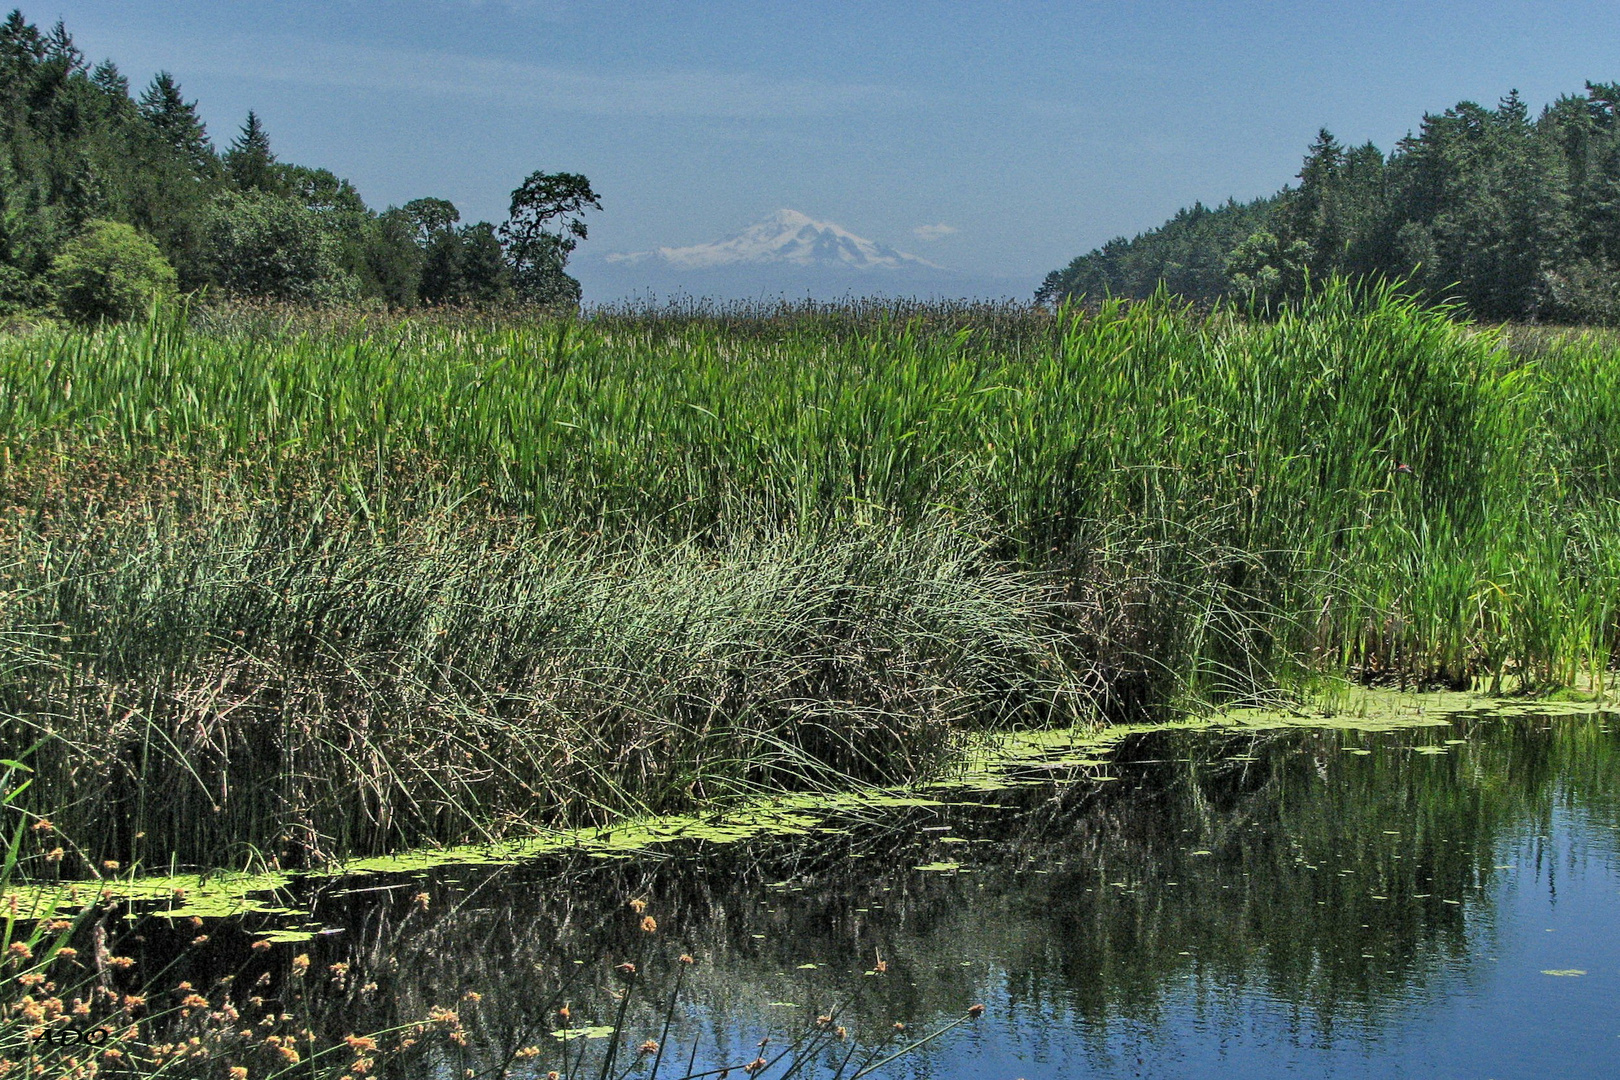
<point x="1013" y="135"/>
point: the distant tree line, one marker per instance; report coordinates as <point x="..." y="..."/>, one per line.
<point x="1516" y="217"/>
<point x="106" y="198"/>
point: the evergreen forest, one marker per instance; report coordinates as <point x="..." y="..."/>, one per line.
<point x="1516" y="217"/>
<point x="99" y="182"/>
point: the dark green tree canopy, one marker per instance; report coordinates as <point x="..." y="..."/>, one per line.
<point x="76" y="148"/>
<point x="249" y="160"/>
<point x="175" y="123"/>
<point x="1517" y="216"/>
<point x="542" y="230"/>
<point x="430" y="217"/>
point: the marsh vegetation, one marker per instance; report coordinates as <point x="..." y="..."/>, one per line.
<point x="276" y="594"/>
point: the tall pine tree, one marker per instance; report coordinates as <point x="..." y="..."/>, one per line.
<point x="175" y="122"/>
<point x="249" y="161"/>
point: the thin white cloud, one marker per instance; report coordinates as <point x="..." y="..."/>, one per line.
<point x="933" y="232"/>
<point x="688" y="92"/>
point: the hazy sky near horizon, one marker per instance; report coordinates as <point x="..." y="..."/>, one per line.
<point x="999" y="138"/>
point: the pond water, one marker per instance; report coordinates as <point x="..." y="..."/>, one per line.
<point x="1437" y="901"/>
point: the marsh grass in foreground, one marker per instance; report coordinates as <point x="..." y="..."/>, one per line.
<point x="280" y="595"/>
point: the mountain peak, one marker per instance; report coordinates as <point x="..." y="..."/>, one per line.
<point x="794" y="219"/>
<point x="787" y="237"/>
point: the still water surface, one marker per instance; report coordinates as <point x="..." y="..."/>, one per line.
<point x="1207" y="904"/>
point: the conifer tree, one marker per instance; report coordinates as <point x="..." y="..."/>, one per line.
<point x="175" y="122"/>
<point x="249" y="161"/>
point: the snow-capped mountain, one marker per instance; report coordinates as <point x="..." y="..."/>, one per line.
<point x="789" y="237"/>
<point x="788" y="255"/>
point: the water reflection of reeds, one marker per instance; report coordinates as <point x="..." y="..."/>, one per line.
<point x="1282" y="865"/>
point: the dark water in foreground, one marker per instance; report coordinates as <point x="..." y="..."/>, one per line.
<point x="1299" y="903"/>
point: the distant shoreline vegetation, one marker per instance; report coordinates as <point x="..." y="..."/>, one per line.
<point x="108" y="201"/>
<point x="1512" y="216"/>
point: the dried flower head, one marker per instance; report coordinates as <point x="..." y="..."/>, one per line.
<point x="638" y="906"/>
<point x="649" y="924"/>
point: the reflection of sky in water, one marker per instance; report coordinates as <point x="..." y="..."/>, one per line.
<point x="1555" y="906"/>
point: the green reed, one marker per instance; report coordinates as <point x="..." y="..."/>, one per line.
<point x="490" y="572"/>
